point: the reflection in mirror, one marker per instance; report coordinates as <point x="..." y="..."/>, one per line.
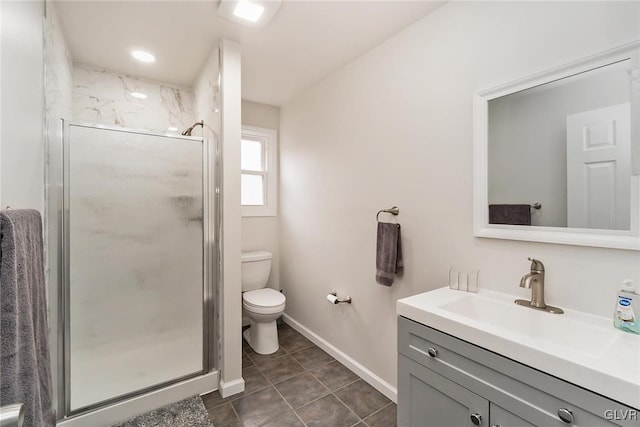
<point x="565" y="144"/>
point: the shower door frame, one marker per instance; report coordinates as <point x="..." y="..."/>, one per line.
<point x="211" y="256"/>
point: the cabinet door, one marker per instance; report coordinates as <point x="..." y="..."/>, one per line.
<point x="500" y="417"/>
<point x="426" y="399"/>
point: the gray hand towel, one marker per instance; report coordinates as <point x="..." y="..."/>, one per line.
<point x="388" y="253"/>
<point x="25" y="370"/>
<point x="510" y="214"/>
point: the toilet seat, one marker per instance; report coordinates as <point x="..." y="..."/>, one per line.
<point x="264" y="301"/>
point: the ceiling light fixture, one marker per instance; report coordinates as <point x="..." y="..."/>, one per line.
<point x="248" y="10"/>
<point x="143" y="56"/>
<point x="139" y="95"/>
<point x="254" y="13"/>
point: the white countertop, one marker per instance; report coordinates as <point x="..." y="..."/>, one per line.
<point x="580" y="348"/>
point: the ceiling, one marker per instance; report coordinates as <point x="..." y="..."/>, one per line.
<point x="305" y="42"/>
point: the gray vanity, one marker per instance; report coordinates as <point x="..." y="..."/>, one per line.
<point x="479" y="359"/>
<point x="468" y="359"/>
<point x="444" y="381"/>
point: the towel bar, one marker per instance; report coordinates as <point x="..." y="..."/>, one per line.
<point x="537" y="205"/>
<point x="393" y="211"/>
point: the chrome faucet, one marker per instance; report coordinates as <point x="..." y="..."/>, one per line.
<point x="535" y="281"/>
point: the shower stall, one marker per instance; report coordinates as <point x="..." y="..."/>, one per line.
<point x="133" y="242"/>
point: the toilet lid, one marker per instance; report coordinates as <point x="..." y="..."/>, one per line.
<point x="266" y="297"/>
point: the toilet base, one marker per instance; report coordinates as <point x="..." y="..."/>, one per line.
<point x="262" y="337"/>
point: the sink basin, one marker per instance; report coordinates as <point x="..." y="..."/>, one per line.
<point x="572" y="335"/>
<point x="577" y="347"/>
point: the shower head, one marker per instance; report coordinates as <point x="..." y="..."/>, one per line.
<point x="187" y="131"/>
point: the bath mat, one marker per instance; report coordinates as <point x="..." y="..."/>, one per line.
<point x="189" y="412"/>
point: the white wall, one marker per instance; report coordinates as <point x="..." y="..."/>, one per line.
<point x="21" y="80"/>
<point x="231" y="381"/>
<point x="104" y="97"/>
<point x="394" y="127"/>
<point x="260" y="233"/>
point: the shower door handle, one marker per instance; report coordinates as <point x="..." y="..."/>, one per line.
<point x="12" y="415"/>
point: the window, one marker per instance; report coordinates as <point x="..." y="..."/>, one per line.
<point x="258" y="169"/>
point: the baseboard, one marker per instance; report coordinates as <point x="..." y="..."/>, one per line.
<point x="231" y="388"/>
<point x="130" y="408"/>
<point x="375" y="381"/>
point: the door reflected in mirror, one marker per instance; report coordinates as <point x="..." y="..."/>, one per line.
<point x="566" y="145"/>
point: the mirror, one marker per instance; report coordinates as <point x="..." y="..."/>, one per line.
<point x="557" y="156"/>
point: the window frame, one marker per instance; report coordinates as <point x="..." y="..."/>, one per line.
<point x="269" y="140"/>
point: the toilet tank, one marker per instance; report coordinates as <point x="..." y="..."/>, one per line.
<point x="256" y="267"/>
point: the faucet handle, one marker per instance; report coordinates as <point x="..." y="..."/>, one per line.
<point x="536" y="265"/>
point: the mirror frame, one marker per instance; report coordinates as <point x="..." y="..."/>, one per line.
<point x="619" y="239"/>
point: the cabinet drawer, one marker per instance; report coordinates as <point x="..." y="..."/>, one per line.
<point x="428" y="399"/>
<point x="508" y="384"/>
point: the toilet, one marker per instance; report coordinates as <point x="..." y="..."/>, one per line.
<point x="261" y="304"/>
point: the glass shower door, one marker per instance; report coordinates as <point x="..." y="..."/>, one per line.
<point x="135" y="262"/>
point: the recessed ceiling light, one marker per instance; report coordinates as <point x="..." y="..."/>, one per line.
<point x="254" y="13"/>
<point x="143" y="56"/>
<point x="139" y="95"/>
<point x="248" y="10"/>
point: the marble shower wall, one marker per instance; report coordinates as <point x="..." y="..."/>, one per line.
<point x="104" y="97"/>
<point x="58" y="69"/>
<point x="207" y="95"/>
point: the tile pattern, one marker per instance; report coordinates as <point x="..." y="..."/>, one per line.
<point x="301" y="389"/>
<point x="363" y="399"/>
<point x="328" y="411"/>
<point x="100" y="96"/>
<point x="384" y="417"/>
<point x="58" y="75"/>
<point x="334" y="375"/>
<point x="299" y="385"/>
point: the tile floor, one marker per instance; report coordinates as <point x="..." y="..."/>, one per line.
<point x="299" y="385"/>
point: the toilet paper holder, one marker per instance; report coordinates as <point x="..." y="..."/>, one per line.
<point x="336" y="300"/>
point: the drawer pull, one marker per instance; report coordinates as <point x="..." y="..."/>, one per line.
<point x="433" y="352"/>
<point x="565" y="415"/>
<point x="476" y="419"/>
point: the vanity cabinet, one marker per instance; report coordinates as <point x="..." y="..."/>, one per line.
<point x="446" y="382"/>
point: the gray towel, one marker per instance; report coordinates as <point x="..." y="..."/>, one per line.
<point x="25" y="369"/>
<point x="510" y="214"/>
<point x="388" y="253"/>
